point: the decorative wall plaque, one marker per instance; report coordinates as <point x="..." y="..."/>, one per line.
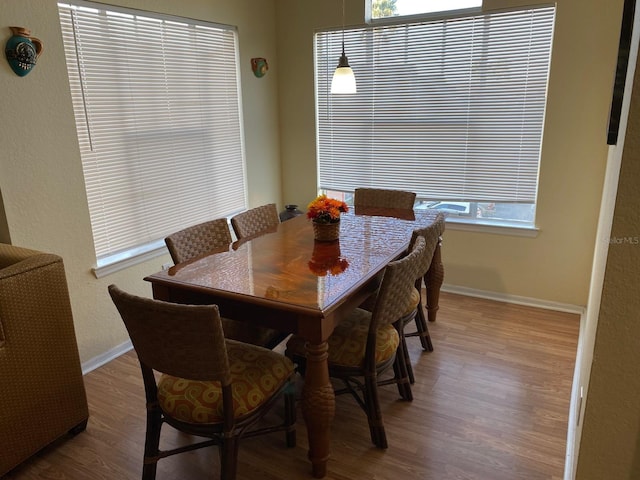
<point x="22" y="51"/>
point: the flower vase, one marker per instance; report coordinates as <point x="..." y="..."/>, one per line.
<point x="326" y="232"/>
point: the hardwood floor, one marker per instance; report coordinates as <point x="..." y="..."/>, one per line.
<point x="490" y="403"/>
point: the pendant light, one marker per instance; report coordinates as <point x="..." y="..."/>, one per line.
<point x="344" y="81"/>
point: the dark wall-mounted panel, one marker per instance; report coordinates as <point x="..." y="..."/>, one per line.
<point x="626" y="31"/>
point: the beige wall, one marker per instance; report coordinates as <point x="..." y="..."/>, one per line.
<point x="556" y="265"/>
<point x="610" y="445"/>
<point x="41" y="179"/>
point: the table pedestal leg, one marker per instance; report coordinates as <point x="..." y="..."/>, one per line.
<point x="433" y="280"/>
<point x="318" y="407"/>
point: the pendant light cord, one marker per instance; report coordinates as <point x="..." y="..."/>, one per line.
<point x="344" y="80"/>
<point x="343" y="28"/>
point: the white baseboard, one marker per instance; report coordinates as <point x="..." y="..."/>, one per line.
<point x="106" y="357"/>
<point x="516" y="299"/>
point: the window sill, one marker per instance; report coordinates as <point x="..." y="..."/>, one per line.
<point x="117" y="262"/>
<point x="478" y="226"/>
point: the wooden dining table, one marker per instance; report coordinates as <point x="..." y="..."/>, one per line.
<point x="286" y="280"/>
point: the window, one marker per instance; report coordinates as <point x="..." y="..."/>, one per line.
<point x="452" y="109"/>
<point x="394" y="8"/>
<point x="157" y="107"/>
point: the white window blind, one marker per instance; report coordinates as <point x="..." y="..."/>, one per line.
<point x="451" y="109"/>
<point x="157" y="108"/>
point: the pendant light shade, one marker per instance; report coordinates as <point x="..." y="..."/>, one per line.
<point x="344" y="80"/>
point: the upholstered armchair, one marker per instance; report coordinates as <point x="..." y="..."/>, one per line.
<point x="43" y="395"/>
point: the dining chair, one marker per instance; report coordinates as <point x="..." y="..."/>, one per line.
<point x="210" y="237"/>
<point x="200" y="383"/>
<point x="255" y="221"/>
<point x="433" y="279"/>
<point x="365" y="198"/>
<point x="366" y="343"/>
<point x="415" y="309"/>
<point x="198" y="239"/>
<point x="383" y="198"/>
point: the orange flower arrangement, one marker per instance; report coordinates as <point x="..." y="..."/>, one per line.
<point x="326" y="210"/>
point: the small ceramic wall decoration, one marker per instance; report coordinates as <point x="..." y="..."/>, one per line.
<point x="22" y="51"/>
<point x="259" y="66"/>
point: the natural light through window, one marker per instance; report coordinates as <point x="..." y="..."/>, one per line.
<point x="152" y="122"/>
<point x="453" y="111"/>
<point x="392" y="8"/>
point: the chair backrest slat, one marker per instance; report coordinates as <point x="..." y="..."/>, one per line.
<point x="383" y="198"/>
<point x="397" y="286"/>
<point x="431" y="234"/>
<point x="185" y="341"/>
<point x="198" y="239"/>
<point x="255" y="221"/>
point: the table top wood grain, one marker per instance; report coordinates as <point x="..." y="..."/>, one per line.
<point x="289" y="268"/>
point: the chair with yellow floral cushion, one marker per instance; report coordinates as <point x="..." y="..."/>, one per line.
<point x="210" y="237"/>
<point x="383" y="198"/>
<point x="365" y="344"/>
<point x="255" y="221"/>
<point x="415" y="309"/>
<point x="367" y="199"/>
<point x="201" y="383"/>
<point x="433" y="235"/>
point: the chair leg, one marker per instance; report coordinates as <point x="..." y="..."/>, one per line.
<point x="290" y="415"/>
<point x="397" y="372"/>
<point x="229" y="457"/>
<point x="152" y="442"/>
<point x="402" y="366"/>
<point x="374" y="414"/>
<point x="407" y="363"/>
<point x="423" y="329"/>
